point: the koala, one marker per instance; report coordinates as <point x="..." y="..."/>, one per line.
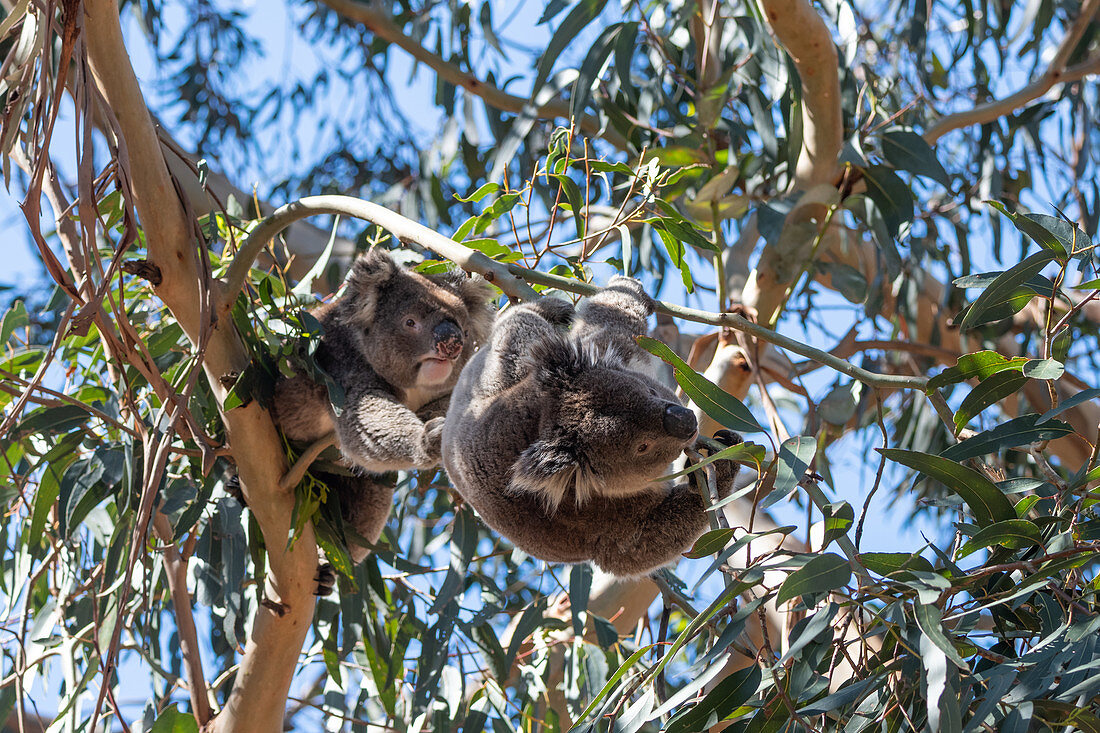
<point x="395" y="341"/>
<point x="554" y="437"/>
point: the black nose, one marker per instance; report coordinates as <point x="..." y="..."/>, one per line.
<point x="679" y="422"/>
<point x="448" y="339"/>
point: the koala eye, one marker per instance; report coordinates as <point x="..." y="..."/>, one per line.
<point x="642" y="448"/>
<point x="410" y="323"/>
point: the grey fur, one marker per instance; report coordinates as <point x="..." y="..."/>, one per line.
<point x="391" y="419"/>
<point x="543" y="433"/>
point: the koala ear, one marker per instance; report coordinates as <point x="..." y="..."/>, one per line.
<point x="367" y="273"/>
<point x="547" y="468"/>
<point x="477" y="296"/>
<point x="555" y="361"/>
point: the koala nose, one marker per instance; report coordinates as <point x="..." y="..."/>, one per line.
<point x="448" y="339"/>
<point x="679" y="422"/>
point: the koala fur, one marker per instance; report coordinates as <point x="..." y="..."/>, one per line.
<point x="553" y="436"/>
<point x="395" y="341"/>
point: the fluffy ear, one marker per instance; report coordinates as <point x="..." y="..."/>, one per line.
<point x="550" y="468"/>
<point x="547" y="468"/>
<point x="558" y="361"/>
<point x="477" y="296"/>
<point x="368" y="272"/>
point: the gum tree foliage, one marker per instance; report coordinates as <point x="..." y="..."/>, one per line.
<point x="896" y="202"/>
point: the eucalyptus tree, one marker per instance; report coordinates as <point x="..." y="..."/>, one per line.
<point x="870" y="227"/>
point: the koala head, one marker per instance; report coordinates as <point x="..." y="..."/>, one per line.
<point x="604" y="430"/>
<point x="414" y="330"/>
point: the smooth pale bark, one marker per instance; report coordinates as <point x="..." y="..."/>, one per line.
<point x="259" y="694"/>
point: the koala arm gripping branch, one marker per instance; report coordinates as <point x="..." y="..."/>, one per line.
<point x="615" y="316"/>
<point x="380" y="434"/>
<point x="516" y="330"/>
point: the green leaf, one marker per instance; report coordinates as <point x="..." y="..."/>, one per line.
<point x="684" y="232"/>
<point x="980" y="365"/>
<point x="1049" y="232"/>
<point x="15" y="317"/>
<point x="723" y="407"/>
<point x="575" y="199"/>
<point x="710" y="543"/>
<point x="1018" y="431"/>
<point x="930" y="621"/>
<point x="1011" y="533"/>
<point x="1044" y="369"/>
<point x="482" y="191"/>
<point x="583" y="13"/>
<point x="908" y="151"/>
<point x="1074" y="401"/>
<point x="676" y="250"/>
<point x="892" y="197"/>
<point x="992" y="390"/>
<point x="173" y="721"/>
<point x="1001" y="290"/>
<point x="986" y="502"/>
<point x="795" y="456"/>
<point x="728" y="695"/>
<point x="820" y="575"/>
<point x="838" y="519"/>
<point x="888" y="563"/>
<point x="580" y="585"/>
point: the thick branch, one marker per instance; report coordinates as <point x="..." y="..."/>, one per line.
<point x="406" y="230"/>
<point x="279" y="629"/>
<point x="801" y="31"/>
<point x="512" y="278"/>
<point x="1056" y="73"/>
<point x="380" y="24"/>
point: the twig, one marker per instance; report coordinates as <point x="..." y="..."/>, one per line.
<point x="381" y="25"/>
<point x="1056" y="73"/>
<point x="298" y="470"/>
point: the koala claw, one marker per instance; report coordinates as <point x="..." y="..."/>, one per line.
<point x="325" y="579"/>
<point x="233" y="488"/>
<point x="728" y="437"/>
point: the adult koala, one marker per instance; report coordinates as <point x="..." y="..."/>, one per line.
<point x="554" y="437"/>
<point x="395" y="341"/>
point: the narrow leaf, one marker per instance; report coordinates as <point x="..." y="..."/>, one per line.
<point x="1015" y="432"/>
<point x="986" y="502"/>
<point x="820" y="575"/>
<point x="1006" y="284"/>
<point x="720" y="405"/>
<point x="1011" y="533"/>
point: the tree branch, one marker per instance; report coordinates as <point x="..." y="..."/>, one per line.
<point x="259" y="693"/>
<point x="1056" y="73"/>
<point x="380" y="24"/>
<point x="801" y="31"/>
<point x="406" y="230"/>
<point x="512" y="277"/>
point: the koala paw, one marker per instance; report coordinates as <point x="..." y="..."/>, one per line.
<point x="725" y="470"/>
<point x="325" y="579"/>
<point x="728" y="438"/>
<point x="233" y="488"/>
<point x="555" y="310"/>
<point x="432" y="442"/>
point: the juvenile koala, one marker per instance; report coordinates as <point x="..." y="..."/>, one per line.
<point x="553" y="436"/>
<point x="395" y="341"/>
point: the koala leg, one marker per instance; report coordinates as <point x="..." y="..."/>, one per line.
<point x="650" y="531"/>
<point x="379" y="434"/>
<point x="365" y="504"/>
<point x="614" y="316"/>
